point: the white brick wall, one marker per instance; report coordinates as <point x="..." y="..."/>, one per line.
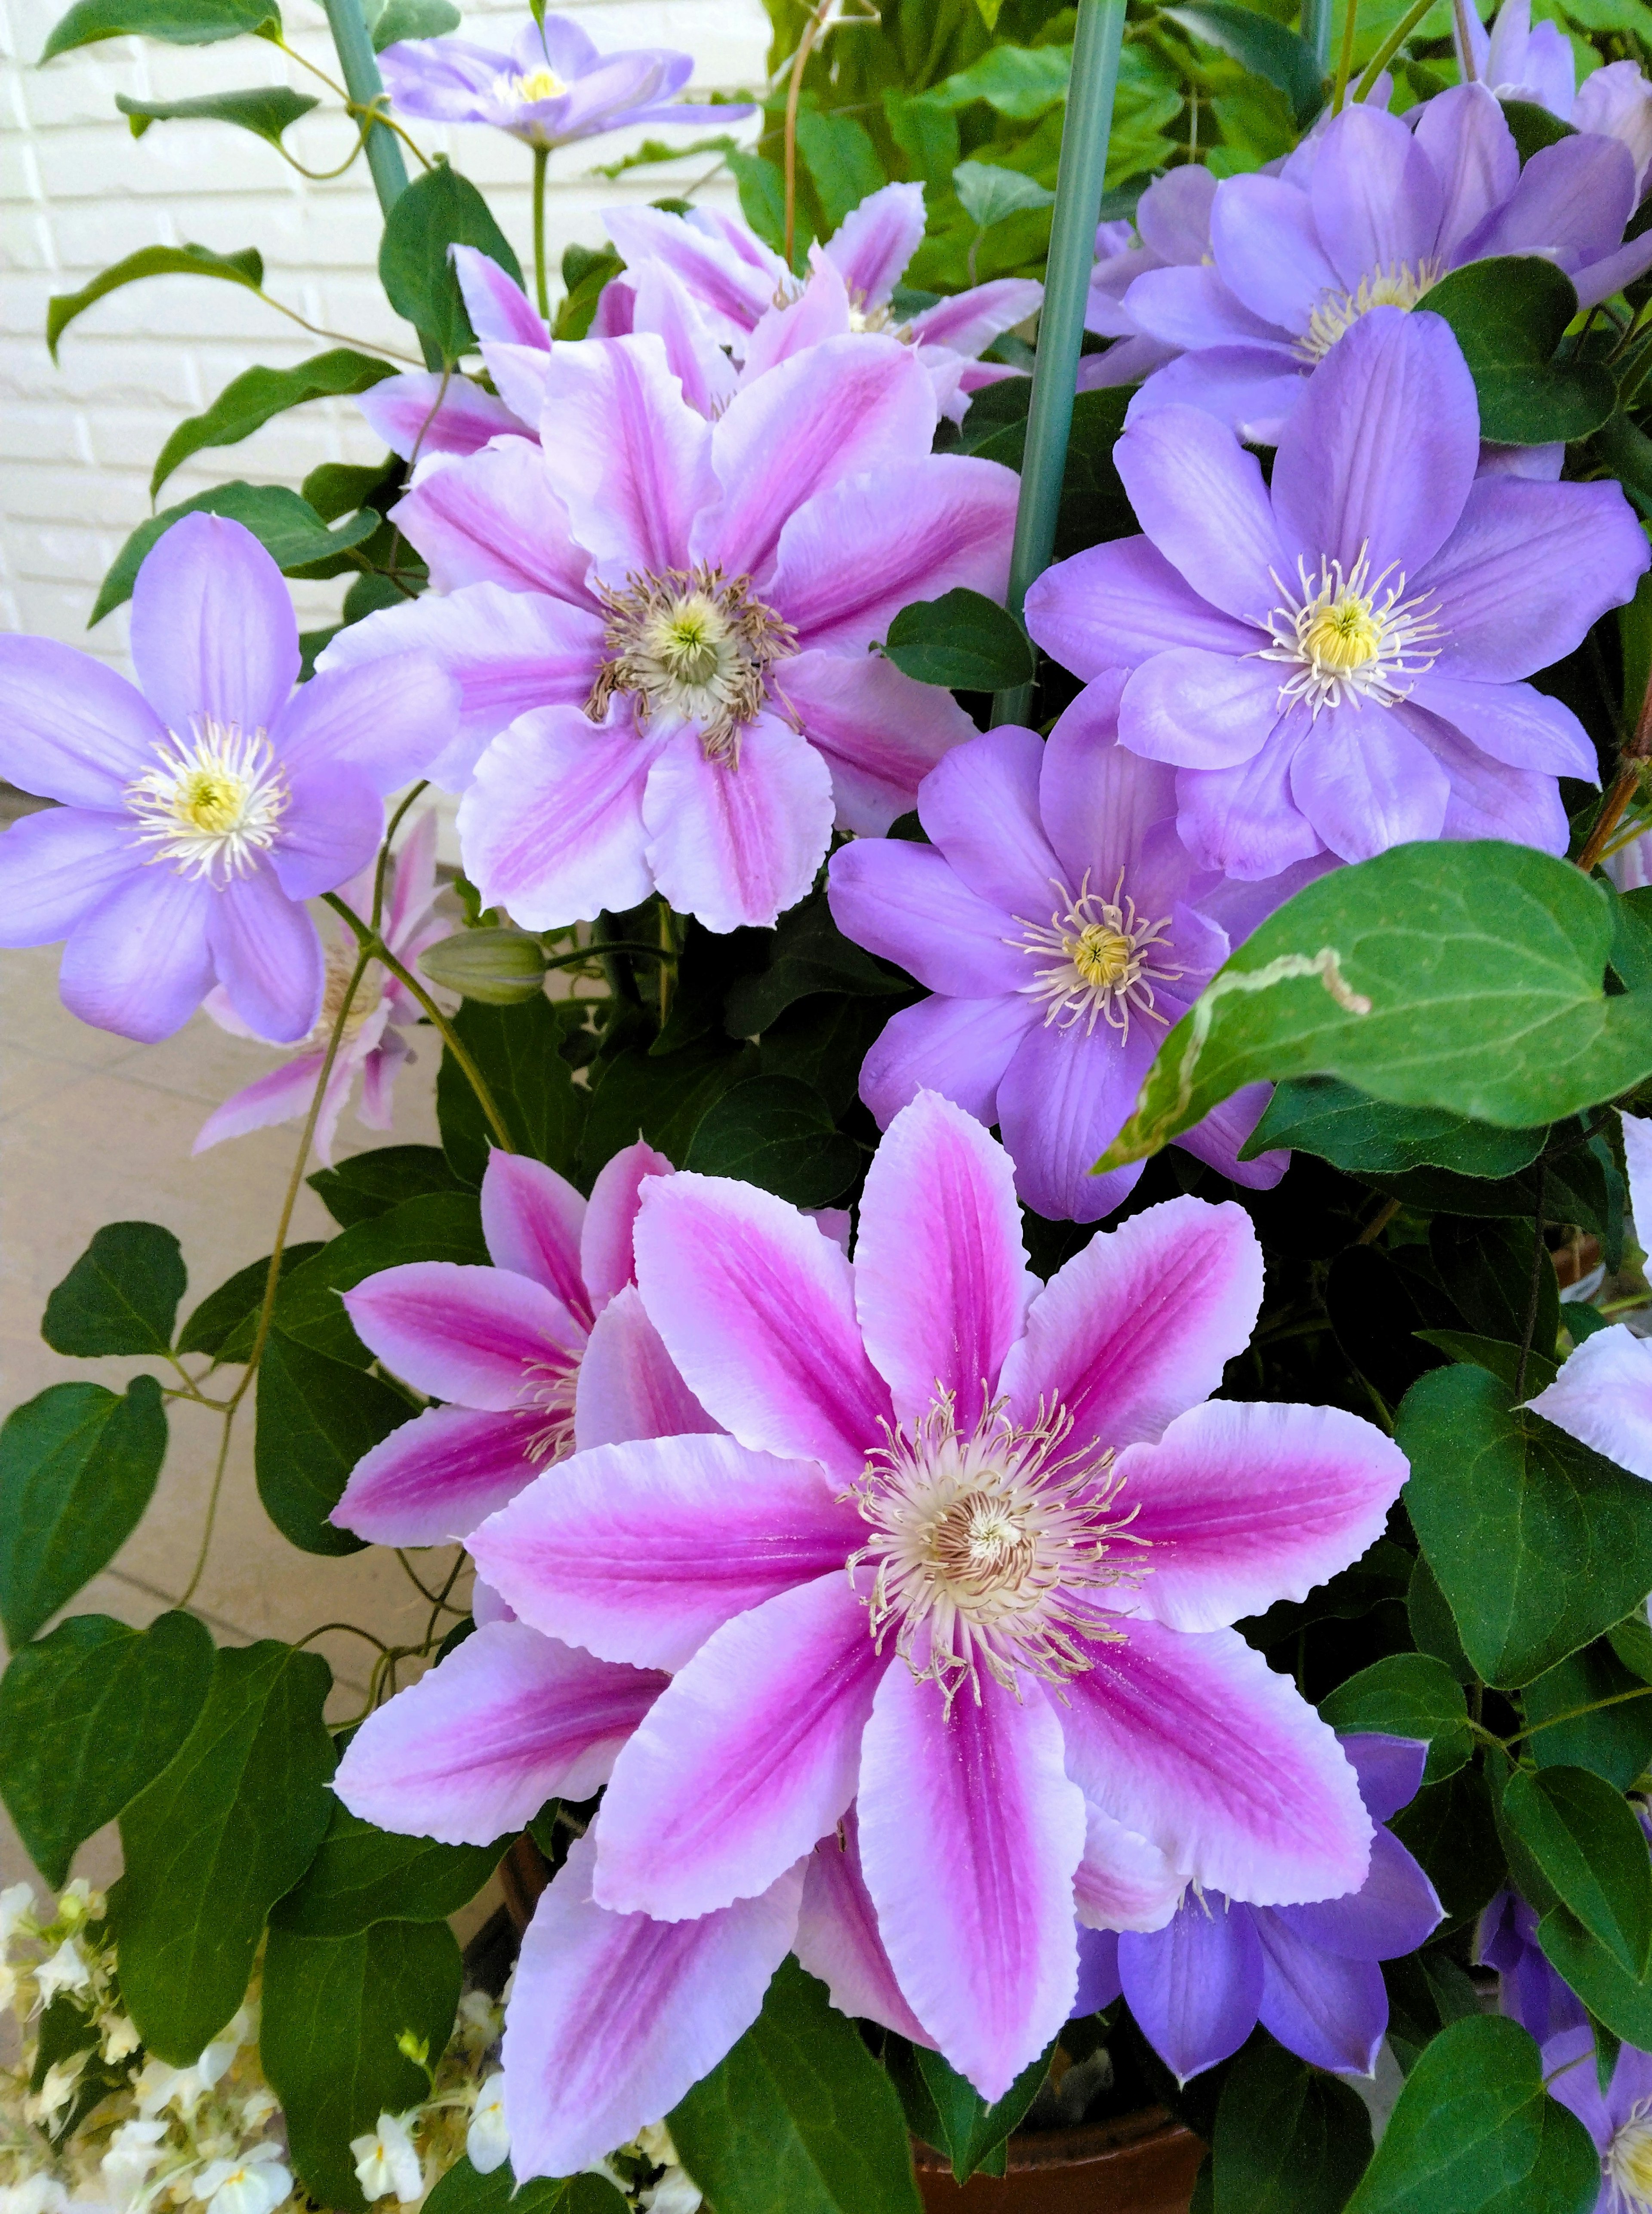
<point x="77" y="441"/>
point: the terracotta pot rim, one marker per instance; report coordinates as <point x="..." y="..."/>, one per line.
<point x="1082" y="2145"/>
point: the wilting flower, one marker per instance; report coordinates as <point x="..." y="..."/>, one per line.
<point x="1603" y="1394"/>
<point x="1518" y="61"/>
<point x="665" y="623"/>
<point x="1377" y="216"/>
<point x="1050" y="918"/>
<point x="387" y="2161"/>
<point x="1333" y="662"/>
<point x="200" y="812"/>
<point x="1171" y="230"/>
<point x="968" y="1559"/>
<point x="1618" y="2117"/>
<point x="1529" y="1991"/>
<point x="552" y="87"/>
<point x="372" y="1045"/>
<point x="547" y="1346"/>
<point x="1197" y="1986"/>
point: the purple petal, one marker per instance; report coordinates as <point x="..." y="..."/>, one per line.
<point x="213" y="632"/>
<point x="969" y="1834"/>
<point x="1122" y="1882"/>
<point x="1220" y="1136"/>
<point x="520" y="374"/>
<point x="628" y="455"/>
<point x="1377" y="198"/>
<point x="1390" y="1769"/>
<point x="1138" y="1327"/>
<point x="1110" y="813"/>
<point x="940" y="1276"/>
<point x="1365" y="782"/>
<point x="477" y="1337"/>
<point x="424" y="412"/>
<point x="1464" y="135"/>
<point x="532" y="1220"/>
<point x="1114" y="606"/>
<point x="838" y="1939"/>
<point x="283" y="1094"/>
<point x="628" y="1385"/>
<point x="1192" y="307"/>
<point x="959" y="1047"/>
<point x="664" y="305"/>
<point x="1393" y="1912"/>
<point x="1570" y="204"/>
<point x="433" y="1479"/>
<point x="1174" y="214"/>
<point x="749" y="1757"/>
<point x="1515" y="723"/>
<point x="1253" y="389"/>
<point x="794" y="323"/>
<point x="873" y="243"/>
<point x="1099" y="1977"/>
<point x="981" y="807"/>
<point x="1603" y="1396"/>
<point x="55" y="867"/>
<point x="736" y="844"/>
<point x="74" y="730"/>
<point x="641" y="1551"/>
<point x="496" y="305"/>
<point x="1060" y="1104"/>
<point x="494" y="518"/>
<point x="1331" y="2012"/>
<point x="1245" y="821"/>
<point x="608" y="1262"/>
<point x="1488" y="800"/>
<point x="1199" y="710"/>
<point x="474" y="1748"/>
<point x="907" y="903"/>
<point x="267" y="957"/>
<point x="879" y="733"/>
<point x="386" y="720"/>
<point x="733" y="287"/>
<point x="140" y="963"/>
<point x="614" y="2017"/>
<point x="1195" y="1987"/>
<point x="1569" y="2072"/>
<point x="1199" y="498"/>
<point x="331" y="828"/>
<point x="1266" y="247"/>
<point x="966" y="321"/>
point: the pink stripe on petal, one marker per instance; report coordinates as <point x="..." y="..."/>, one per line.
<point x="1123" y="1881"/>
<point x="629" y="455"/>
<point x="428" y="413"/>
<point x="482" y="1337"/>
<point x="474" y="1748"/>
<point x="274" y="1098"/>
<point x="969" y="1834"/>
<point x="494" y="518"/>
<point x="873" y="243"/>
<point x="629" y="1385"/>
<point x="940" y="1276"/>
<point x="737" y="843"/>
<point x="640" y="1551"/>
<point x="838" y="1939"/>
<point x="1242" y="1504"/>
<point x="433" y="1479"/>
<point x="751" y="1758"/>
<point x="1193" y="1741"/>
<point x="606" y="1260"/>
<point x="614" y="2017"/>
<point x="967" y="321"/>
<point x="532" y="1220"/>
<point x="878" y="732"/>
<point x="757" y="1307"/>
<point x="1139" y="1326"/>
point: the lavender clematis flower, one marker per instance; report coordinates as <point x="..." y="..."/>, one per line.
<point x="1381" y="212"/>
<point x="1172" y="231"/>
<point x="1310" y="1974"/>
<point x="200" y="812"/>
<point x="551" y="88"/>
<point x="1529" y="1991"/>
<point x="662" y="623"/>
<point x="1038" y="1516"/>
<point x="424" y="412"/>
<point x="547" y="1349"/>
<point x="1618" y="2119"/>
<point x="1515" y="61"/>
<point x="1335" y="661"/>
<point x="1050" y="919"/>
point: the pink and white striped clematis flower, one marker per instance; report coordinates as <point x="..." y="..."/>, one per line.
<point x="968" y="1560"/>
<point x="547" y="1349"/>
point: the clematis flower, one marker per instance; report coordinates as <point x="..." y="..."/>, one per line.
<point x="200" y="812"/>
<point x="372" y="1045"/>
<point x="1528" y="1990"/>
<point x="968" y="1559"/>
<point x="551" y="88"/>
<point x="1603" y="1394"/>
<point x="1516" y="60"/>
<point x="1050" y="919"/>
<point x="1618" y="2115"/>
<point x="1381" y="213"/>
<point x="1199" y="1986"/>
<point x="547" y="1347"/>
<point x="1171" y="230"/>
<point x="423" y="413"/>
<point x="1335" y="661"/>
<point x="662" y="624"/>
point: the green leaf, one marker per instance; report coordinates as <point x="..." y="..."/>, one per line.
<point x="1257" y="43"/>
<point x="245" y="267"/>
<point x="438" y="210"/>
<point x="811" y="955"/>
<point x="661" y="1100"/>
<point x="371" y="1185"/>
<point x="780" y="1134"/>
<point x="517" y="1049"/>
<point x="461" y="2191"/>
<point x="1449" y="1828"/>
<point x="762" y="188"/>
<point x="989" y="193"/>
<point x="121" y="1296"/>
<point x="267" y="110"/>
<point x="1583" y="1836"/>
<point x="1631" y="938"/>
<point x="926" y="130"/>
<point x="841" y="159"/>
<point x="88" y="1718"/>
<point x="285" y="526"/>
<point x="1533" y="127"/>
<point x="1487" y="1267"/>
<point x="180" y="22"/>
<point x="1497" y="1358"/>
<point x="333" y="2009"/>
<point x="1318" y="1114"/>
<point x="1473" y="2130"/>
<point x="1476" y="984"/>
<point x="1019" y="81"/>
<point x="961" y="640"/>
<point x="1432" y="1627"/>
<point x="974" y="2130"/>
<point x="250" y="401"/>
<point x="798" y="2119"/>
<point x="441" y="1226"/>
<point x="77" y="1466"/>
<point x="823" y="1041"/>
<point x="1605" y="1987"/>
<point x="1538" y="1545"/>
<point x="336" y="488"/>
<point x="224" y="1322"/>
<point x="362" y="1876"/>
<point x="229" y="1825"/>
<point x="1509" y="315"/>
<point x="316" y="1418"/>
<point x="413" y="19"/>
<point x="1407" y="1695"/>
<point x="1288" y="2140"/>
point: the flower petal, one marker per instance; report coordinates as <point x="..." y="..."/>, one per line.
<point x="1244" y="821"/>
<point x="1603" y="1398"/>
<point x="1062" y="1101"/>
<point x="74" y="729"/>
<point x="873" y="243"/>
<point x="1331" y="2012"/>
<point x="907" y="903"/>
<point x="1101" y="802"/>
<point x="959" y="1047"/>
<point x="608" y="1261"/>
<point x="1197" y="709"/>
<point x="330" y="831"/>
<point x="1199" y="498"/>
<point x="56" y="865"/>
<point x="1253" y="389"/>
<point x="1114" y="606"/>
<point x="838" y="1939"/>
<point x="1472" y="149"/>
<point x="628" y="1386"/>
<point x="1195" y="1987"/>
<point x="496" y="305"/>
<point x="733" y="284"/>
<point x="1515" y="723"/>
<point x="1377" y="197"/>
<point x="433" y="1479"/>
<point x="1123" y="1882"/>
<point x="1365" y="782"/>
<point x="981" y="807"/>
<point x="628" y="455"/>
<point x="478" y="1337"/>
<point x="138" y="963"/>
<point x="278" y="1096"/>
<point x="267" y="957"/>
<point x="880" y="733"/>
<point x="424" y="412"/>
<point x="213" y="633"/>
<point x="1394" y="1910"/>
<point x="532" y="1220"/>
<point x="1390" y="1769"/>
<point x="1266" y="247"/>
<point x="495" y="519"/>
<point x="736" y="844"/>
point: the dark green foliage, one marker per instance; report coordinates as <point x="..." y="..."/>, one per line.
<point x="517" y="1050"/>
<point x="361" y="1875"/>
<point x="961" y="640"/>
<point x="77" y="1466"/>
<point x="1288" y="2140"/>
<point x="439" y="209"/>
<point x="121" y="1296"/>
<point x="316" y="1419"/>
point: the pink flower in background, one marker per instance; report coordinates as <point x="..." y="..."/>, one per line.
<point x="372" y="1045"/>
<point x="548" y="1347"/>
<point x="968" y="1559"/>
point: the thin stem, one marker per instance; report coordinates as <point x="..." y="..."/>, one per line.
<point x="1539" y="1263"/>
<point x="1390" y="46"/>
<point x="1316" y="29"/>
<point x="811" y="31"/>
<point x="622" y="984"/>
<point x="1612" y="810"/>
<point x="200" y="1569"/>
<point x="1461" y="10"/>
<point x="326" y="1629"/>
<point x="1577" y="1714"/>
<point x="541" y="290"/>
<point x="1379" y="1222"/>
<point x="601" y="952"/>
<point x="1345" y="59"/>
<point x="338" y="338"/>
<point x="423" y="785"/>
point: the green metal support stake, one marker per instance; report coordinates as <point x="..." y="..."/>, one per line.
<point x="1316" y="29"/>
<point x="1067" y="287"/>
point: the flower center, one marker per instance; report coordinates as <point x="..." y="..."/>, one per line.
<point x="1100" y="959"/>
<point x="1628" y="2163"/>
<point x="339" y="968"/>
<point x="537" y="84"/>
<point x="1350" y="639"/>
<point x="548" y="1391"/>
<point x="990" y="1546"/>
<point x="212" y="806"/>
<point x="684" y="644"/>
<point x="1398" y="285"/>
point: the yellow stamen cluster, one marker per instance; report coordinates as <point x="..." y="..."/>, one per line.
<point x="1398" y="285"/>
<point x="1100" y="959"/>
<point x="683" y="644"/>
<point x="212" y="804"/>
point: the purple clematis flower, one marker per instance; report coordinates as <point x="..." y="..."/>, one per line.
<point x="1171" y="230"/>
<point x="662" y="623"/>
<point x="547" y="1349"/>
<point x="1516" y="61"/>
<point x="551" y="88"/>
<point x="1618" y="2119"/>
<point x="1380" y="214"/>
<point x="1529" y="1991"/>
<point x="372" y="1045"/>
<point x="968" y="1559"/>
<point x="426" y="412"/>
<point x="1199" y="1986"/>
<point x="1335" y="663"/>
<point x="1051" y="920"/>
<point x="200" y="812"/>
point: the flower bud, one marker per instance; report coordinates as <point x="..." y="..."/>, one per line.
<point x="502" y="967"/>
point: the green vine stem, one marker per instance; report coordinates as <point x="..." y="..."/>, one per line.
<point x="541" y="289"/>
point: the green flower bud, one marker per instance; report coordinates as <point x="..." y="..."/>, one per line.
<point x="503" y="968"/>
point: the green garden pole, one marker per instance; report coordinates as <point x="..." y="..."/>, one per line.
<point x="1079" y="182"/>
